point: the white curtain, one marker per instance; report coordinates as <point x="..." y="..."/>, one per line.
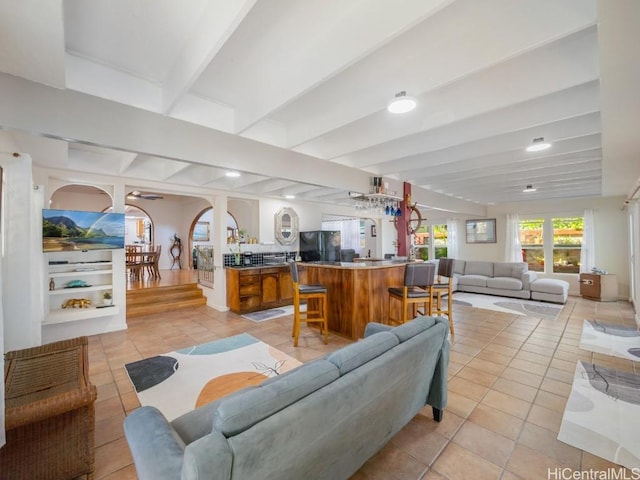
<point x="349" y="232"/>
<point x="452" y="238"/>
<point x="513" y="247"/>
<point x="587" y="255"/>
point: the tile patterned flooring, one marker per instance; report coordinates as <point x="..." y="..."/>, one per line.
<point x="509" y="379"/>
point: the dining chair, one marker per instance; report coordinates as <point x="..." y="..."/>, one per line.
<point x="443" y="287"/>
<point x="417" y="290"/>
<point x="133" y="261"/>
<point x="308" y="292"/>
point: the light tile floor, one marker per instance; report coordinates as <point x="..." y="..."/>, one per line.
<point x="510" y="377"/>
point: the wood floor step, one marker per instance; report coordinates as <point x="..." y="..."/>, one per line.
<point x="163" y="297"/>
<point x="150" y="308"/>
<point x="147" y="301"/>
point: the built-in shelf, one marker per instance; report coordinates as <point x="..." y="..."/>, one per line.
<point x="95" y="268"/>
<point x="60" y="315"/>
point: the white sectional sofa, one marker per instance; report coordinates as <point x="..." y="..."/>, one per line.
<point x="507" y="279"/>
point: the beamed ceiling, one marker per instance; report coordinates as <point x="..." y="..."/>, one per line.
<point x="293" y="95"/>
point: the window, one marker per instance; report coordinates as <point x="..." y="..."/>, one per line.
<point x="531" y="238"/>
<point x="567" y="243"/>
<point x="559" y="239"/>
<point x="425" y="248"/>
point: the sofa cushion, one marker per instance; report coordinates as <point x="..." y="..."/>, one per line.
<point x="479" y="268"/>
<point x="509" y="269"/>
<point x="504" y="283"/>
<point x="473" y="280"/>
<point x="359" y="353"/>
<point x="458" y="267"/>
<point x="411" y="329"/>
<point x="239" y="411"/>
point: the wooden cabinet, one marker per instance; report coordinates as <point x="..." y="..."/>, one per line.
<point x="603" y="288"/>
<point x="251" y="289"/>
<point x="270" y="287"/>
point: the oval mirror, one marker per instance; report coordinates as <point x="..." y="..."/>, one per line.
<point x="286" y="226"/>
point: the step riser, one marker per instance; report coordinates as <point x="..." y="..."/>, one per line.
<point x="139" y="310"/>
<point x="162" y="299"/>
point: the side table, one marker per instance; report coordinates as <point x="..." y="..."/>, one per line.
<point x="602" y="288"/>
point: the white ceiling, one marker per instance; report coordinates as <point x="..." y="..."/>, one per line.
<point x="293" y="94"/>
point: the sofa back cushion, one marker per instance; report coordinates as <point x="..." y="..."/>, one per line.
<point x="241" y="410"/>
<point x="509" y="269"/>
<point x="479" y="268"/>
<point x="458" y="267"/>
<point x="359" y="353"/>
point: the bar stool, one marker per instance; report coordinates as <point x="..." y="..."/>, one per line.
<point x="308" y="292"/>
<point x="417" y="289"/>
<point x="444" y="288"/>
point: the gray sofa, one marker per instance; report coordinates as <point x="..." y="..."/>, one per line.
<point x="322" y="420"/>
<point x="507" y="279"/>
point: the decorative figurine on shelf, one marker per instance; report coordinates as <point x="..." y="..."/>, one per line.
<point x="52" y="285"/>
<point x="77" y="302"/>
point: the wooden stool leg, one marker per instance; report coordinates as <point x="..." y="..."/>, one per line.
<point x="296" y="325"/>
<point x="326" y="320"/>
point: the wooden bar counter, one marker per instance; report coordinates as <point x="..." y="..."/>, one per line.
<point x="357" y="292"/>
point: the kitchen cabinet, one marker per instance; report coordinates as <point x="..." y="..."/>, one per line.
<point x="258" y="288"/>
<point x="603" y="288"/>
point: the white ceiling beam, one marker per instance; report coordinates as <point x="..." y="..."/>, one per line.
<point x="520" y="79"/>
<point x="218" y="22"/>
<point x="319" y="54"/>
<point x="418" y="63"/>
<point x="564" y="104"/>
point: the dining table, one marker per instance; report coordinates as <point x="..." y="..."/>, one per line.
<point x="139" y="262"/>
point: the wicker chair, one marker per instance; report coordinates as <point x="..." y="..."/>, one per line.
<point x="49" y="413"/>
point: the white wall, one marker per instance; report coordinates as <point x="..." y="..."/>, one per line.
<point x="611" y="234"/>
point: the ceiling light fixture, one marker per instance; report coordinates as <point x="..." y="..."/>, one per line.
<point x="402" y="103"/>
<point x="529" y="188"/>
<point x="289" y="197"/>
<point x="232" y="174"/>
<point x="538" y="145"/>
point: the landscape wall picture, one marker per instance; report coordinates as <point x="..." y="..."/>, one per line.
<point x="68" y="230"/>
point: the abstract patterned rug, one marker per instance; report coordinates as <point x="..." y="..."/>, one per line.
<point x="611" y="339"/>
<point x="602" y="415"/>
<point x="518" y="306"/>
<point x="178" y="382"/>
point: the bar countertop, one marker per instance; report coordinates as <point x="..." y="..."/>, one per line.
<point x="360" y="264"/>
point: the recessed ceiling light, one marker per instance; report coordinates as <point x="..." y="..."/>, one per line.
<point x="232" y="174"/>
<point x="289" y="197"/>
<point x="402" y="103"/>
<point x="538" y="145"/>
<point x="529" y="188"/>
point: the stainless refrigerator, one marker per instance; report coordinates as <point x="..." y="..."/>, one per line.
<point x="320" y="246"/>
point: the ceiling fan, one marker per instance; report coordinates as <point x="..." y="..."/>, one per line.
<point x="144" y="196"/>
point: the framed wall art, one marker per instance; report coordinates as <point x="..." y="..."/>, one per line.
<point x="481" y="231"/>
<point x="201" y="232"/>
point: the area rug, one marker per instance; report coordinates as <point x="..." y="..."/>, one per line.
<point x="178" y="382"/>
<point x="611" y="339"/>
<point x="602" y="415"/>
<point x="264" y="315"/>
<point x="518" y="306"/>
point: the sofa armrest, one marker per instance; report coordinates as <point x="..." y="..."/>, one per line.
<point x="437" y="397"/>
<point x="157" y="449"/>
<point x="528" y="278"/>
<point x="374" y="327"/>
<point x="209" y="457"/>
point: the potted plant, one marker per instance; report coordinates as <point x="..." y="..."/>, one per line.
<point x="106" y="298"/>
